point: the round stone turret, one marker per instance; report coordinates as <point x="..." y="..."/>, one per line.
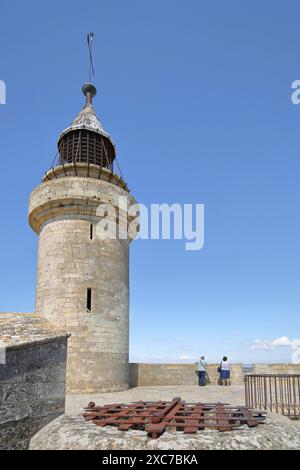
<point x="83" y="278"/>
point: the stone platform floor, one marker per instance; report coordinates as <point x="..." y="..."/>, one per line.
<point x="233" y="394"/>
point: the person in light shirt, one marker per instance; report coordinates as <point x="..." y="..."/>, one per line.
<point x="201" y="368"/>
<point x="224" y="371"/>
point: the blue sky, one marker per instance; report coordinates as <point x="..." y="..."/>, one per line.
<point x="197" y="96"/>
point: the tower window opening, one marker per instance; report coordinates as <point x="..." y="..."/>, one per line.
<point x="91" y="231"/>
<point x="89" y="300"/>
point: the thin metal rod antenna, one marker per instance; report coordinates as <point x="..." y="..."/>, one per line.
<point x="90" y="38"/>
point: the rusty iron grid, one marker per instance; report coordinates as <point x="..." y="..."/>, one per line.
<point x="274" y="392"/>
<point x="156" y="417"/>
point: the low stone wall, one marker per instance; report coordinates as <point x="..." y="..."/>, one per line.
<point x="32" y="378"/>
<point x="177" y="374"/>
<point x="276" y="369"/>
<point x="184" y="374"/>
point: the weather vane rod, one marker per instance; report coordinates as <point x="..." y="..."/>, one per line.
<point x="90" y="38"/>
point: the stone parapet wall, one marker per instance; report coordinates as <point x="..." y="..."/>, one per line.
<point x="184" y="374"/>
<point x="276" y="369"/>
<point x="177" y="374"/>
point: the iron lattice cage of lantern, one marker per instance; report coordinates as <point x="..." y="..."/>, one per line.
<point x="86" y="146"/>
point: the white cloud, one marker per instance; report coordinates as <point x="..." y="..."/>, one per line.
<point x="282" y="341"/>
<point x="258" y="344"/>
<point x="186" y="357"/>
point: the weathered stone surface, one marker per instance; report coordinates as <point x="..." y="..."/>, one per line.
<point x="14" y="412"/>
<point x="18" y="329"/>
<point x="23" y="392"/>
<point x="72" y="432"/>
<point x="16" y="434"/>
<point x="32" y="379"/>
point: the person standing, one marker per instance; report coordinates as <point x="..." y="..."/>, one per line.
<point x="224" y="371"/>
<point x="201" y="367"/>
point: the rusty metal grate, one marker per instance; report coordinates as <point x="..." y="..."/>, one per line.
<point x="156" y="417"/>
<point x="274" y="392"/>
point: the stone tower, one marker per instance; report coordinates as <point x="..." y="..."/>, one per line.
<point x="83" y="280"/>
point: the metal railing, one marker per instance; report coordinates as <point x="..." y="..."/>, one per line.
<point x="274" y="392"/>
